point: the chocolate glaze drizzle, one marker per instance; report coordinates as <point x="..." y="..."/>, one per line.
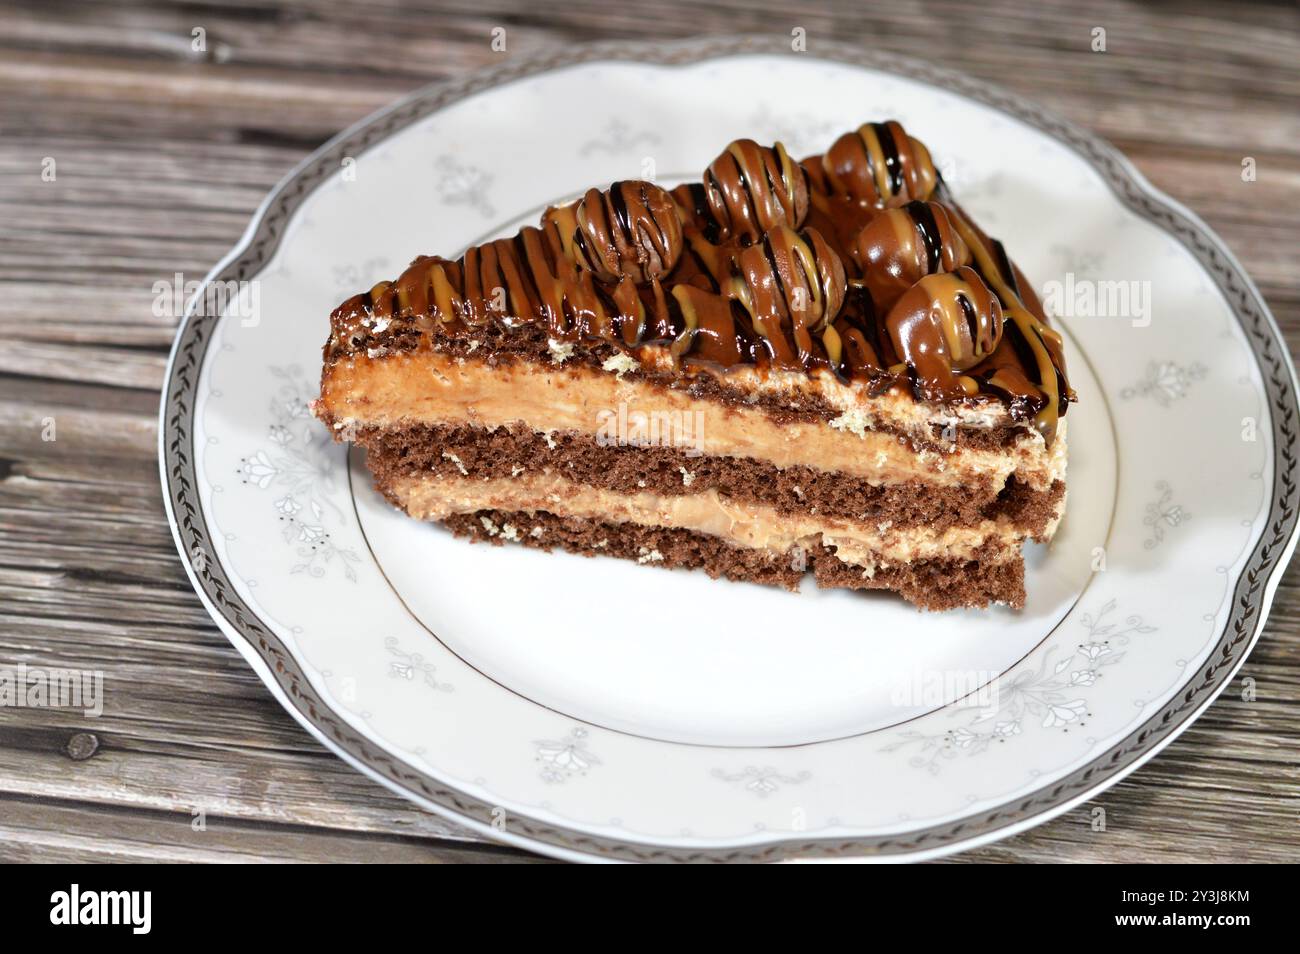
<point x="857" y="262"/>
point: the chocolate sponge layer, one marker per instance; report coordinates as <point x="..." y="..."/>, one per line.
<point x="928" y="584"/>
<point x="462" y="450"/>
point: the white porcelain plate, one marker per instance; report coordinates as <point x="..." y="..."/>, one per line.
<point x="596" y="709"/>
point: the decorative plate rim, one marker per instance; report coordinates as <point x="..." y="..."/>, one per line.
<point x="1252" y="592"/>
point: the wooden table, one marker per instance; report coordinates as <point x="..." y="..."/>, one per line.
<point x="161" y="155"/>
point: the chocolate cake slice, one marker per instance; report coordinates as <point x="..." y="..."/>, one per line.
<point x="786" y="368"/>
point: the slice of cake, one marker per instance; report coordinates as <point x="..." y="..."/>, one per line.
<point x="789" y="367"/>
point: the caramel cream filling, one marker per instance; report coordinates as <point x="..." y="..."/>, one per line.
<point x="433" y="388"/>
<point x="740" y="523"/>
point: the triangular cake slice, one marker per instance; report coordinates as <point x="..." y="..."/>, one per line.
<point x="786" y="368"/>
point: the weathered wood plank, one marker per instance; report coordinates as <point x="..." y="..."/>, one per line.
<point x="50" y="831"/>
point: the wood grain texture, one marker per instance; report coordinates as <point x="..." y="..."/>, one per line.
<point x="162" y="155"/>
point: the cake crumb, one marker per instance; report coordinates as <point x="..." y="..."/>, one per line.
<point x="620" y="364"/>
<point x="448" y="455"/>
<point x="489" y="526"/>
<point x="561" y="351"/>
<point x="648" y="555"/>
<point x="854" y="420"/>
<point x="688" y="478"/>
<point x="510" y="532"/>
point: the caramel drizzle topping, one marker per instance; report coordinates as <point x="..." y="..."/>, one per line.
<point x="945" y="323"/>
<point x="1044" y="342"/>
<point x="855" y="262"/>
<point x="880" y="162"/>
<point x="902" y="245"/>
<point x="791" y="285"/>
<point x="631" y="230"/>
<point x="751" y="189"/>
